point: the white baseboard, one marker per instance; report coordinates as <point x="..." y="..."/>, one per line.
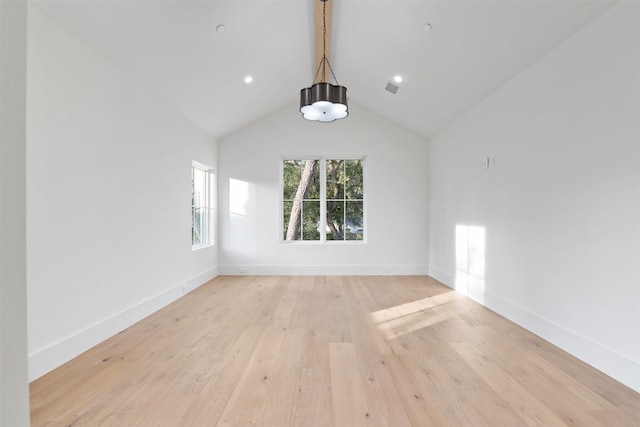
<point x="615" y="365"/>
<point x="58" y="353"/>
<point x="604" y="359"/>
<point x="442" y="276"/>
<point x="326" y="270"/>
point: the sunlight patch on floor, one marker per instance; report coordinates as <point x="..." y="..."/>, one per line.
<point x="412" y="316"/>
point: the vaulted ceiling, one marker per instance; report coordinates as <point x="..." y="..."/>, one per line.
<point x="173" y="48"/>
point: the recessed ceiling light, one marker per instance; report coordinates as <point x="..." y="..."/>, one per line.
<point x="248" y="79"/>
<point x="220" y="28"/>
<point x="426" y="26"/>
<point x="398" y="79"/>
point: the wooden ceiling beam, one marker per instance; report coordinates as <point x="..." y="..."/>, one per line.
<point x="319" y="37"/>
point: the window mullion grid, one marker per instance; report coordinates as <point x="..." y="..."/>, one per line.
<point x="203" y="209"/>
<point x="344" y="200"/>
<point x="323" y="201"/>
<point x="205" y="223"/>
<point x="282" y="203"/>
<point x="210" y="202"/>
<point x="193" y="205"/>
<point x="207" y="198"/>
<point x="214" y="207"/>
<point x="344" y="216"/>
<point x="302" y="218"/>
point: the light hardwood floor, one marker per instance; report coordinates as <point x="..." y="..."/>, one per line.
<point x="321" y="351"/>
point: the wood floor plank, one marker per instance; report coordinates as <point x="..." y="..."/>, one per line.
<point x="350" y="407"/>
<point x="378" y="385"/>
<point x="328" y="351"/>
<point x="208" y="405"/>
<point x="246" y="401"/>
<point x="340" y="316"/>
<point x="623" y="397"/>
<point x="416" y="397"/>
<point x="280" y="400"/>
<point x="368" y="306"/>
<point x="563" y="395"/>
<point x="463" y="396"/>
<point x="525" y="404"/>
<point x="314" y="401"/>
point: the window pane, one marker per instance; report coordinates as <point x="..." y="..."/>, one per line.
<point x="354" y="221"/>
<point x="198" y="187"/>
<point x="294" y="233"/>
<point x="314" y="186"/>
<point x="311" y="220"/>
<point x="300" y="177"/>
<point x="291" y="172"/>
<point x="335" y="179"/>
<point x="335" y="220"/>
<point x="196" y="226"/>
<point x="354" y="175"/>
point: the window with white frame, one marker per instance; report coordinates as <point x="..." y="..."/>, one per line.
<point x="202" y="205"/>
<point x="323" y="200"/>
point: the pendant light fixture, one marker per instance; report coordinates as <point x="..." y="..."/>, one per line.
<point x="323" y="101"/>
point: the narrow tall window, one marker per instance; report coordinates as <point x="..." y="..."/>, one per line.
<point x="202" y="205"/>
<point x="323" y="200"/>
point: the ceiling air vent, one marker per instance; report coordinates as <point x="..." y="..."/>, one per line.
<point x="392" y="88"/>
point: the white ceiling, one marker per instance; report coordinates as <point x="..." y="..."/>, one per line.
<point x="173" y="48"/>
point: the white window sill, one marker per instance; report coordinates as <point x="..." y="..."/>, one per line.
<point x="200" y="247"/>
<point x="326" y="242"/>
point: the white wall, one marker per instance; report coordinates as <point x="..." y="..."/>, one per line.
<point x="560" y="209"/>
<point x="109" y="194"/>
<point x="396" y="189"/>
<point x="14" y="391"/>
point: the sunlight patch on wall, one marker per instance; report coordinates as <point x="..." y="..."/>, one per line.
<point x="238" y="197"/>
<point x="470" y="260"/>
